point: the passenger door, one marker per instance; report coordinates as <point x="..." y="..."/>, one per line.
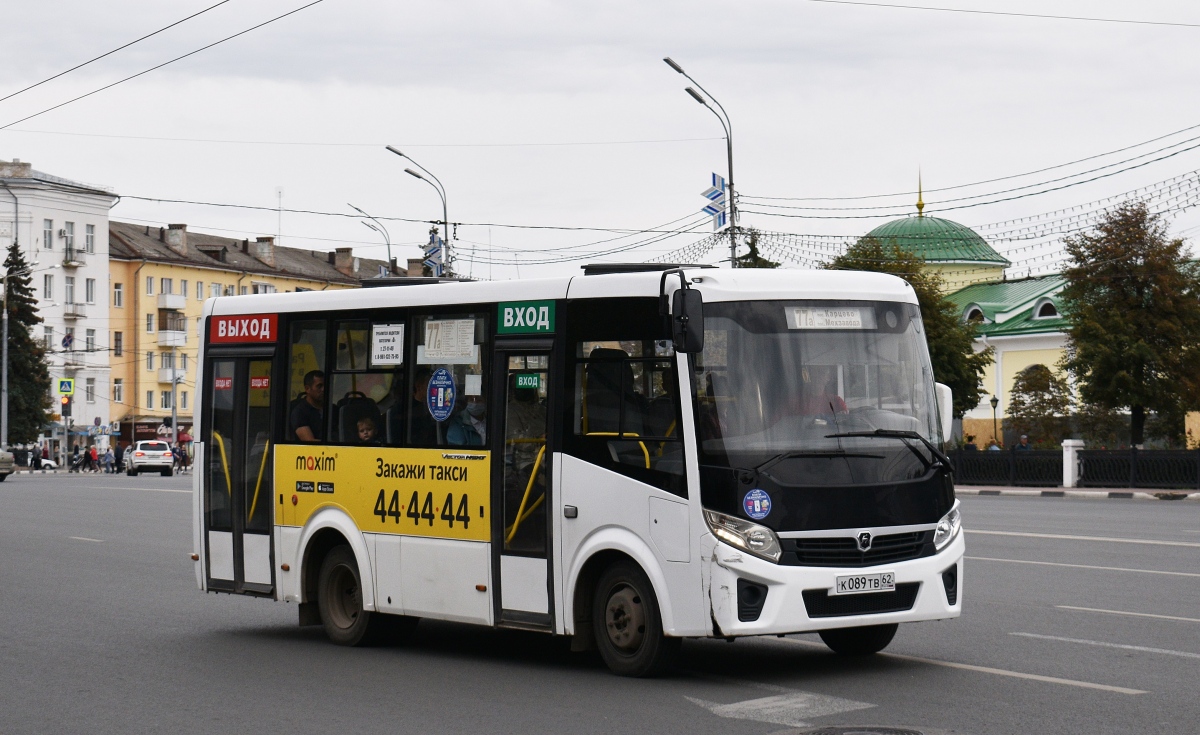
<point x="522" y="491"/>
<point x="238" y="490"/>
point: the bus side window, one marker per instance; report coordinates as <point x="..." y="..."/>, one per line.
<point x="306" y="364"/>
<point x="366" y="400"/>
<point x="448" y="405"/>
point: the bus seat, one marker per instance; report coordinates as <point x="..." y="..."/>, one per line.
<point x="348" y="411"/>
<point x="610" y="388"/>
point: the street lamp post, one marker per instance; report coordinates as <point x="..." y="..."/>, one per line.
<point x="378" y="227"/>
<point x="441" y="190"/>
<point x="995" y="435"/>
<point x="4" y="360"/>
<point x="728" y="125"/>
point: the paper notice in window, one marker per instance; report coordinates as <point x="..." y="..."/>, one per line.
<point x="449" y="340"/>
<point x="387" y="344"/>
<point x="830" y="317"/>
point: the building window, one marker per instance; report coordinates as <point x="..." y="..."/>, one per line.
<point x="243" y="291"/>
<point x="89" y="238"/>
<point x="47" y="234"/>
<point x="229" y="291"/>
<point x="166" y="399"/>
<point x="261" y="288"/>
<point x="118" y="344"/>
<point x="119" y="295"/>
<point x="183" y="399"/>
<point x="149" y="322"/>
<point x="149" y="285"/>
<point x="168" y="360"/>
<point x="69" y="228"/>
<point x="48" y="287"/>
<point x="149" y="360"/>
<point x="150" y="399"/>
<point x="89" y="389"/>
<point x="214" y="290"/>
<point x="1047" y="310"/>
<point x="183" y="361"/>
<point x="166" y="285"/>
<point x="118" y="392"/>
<point x="183" y="287"/>
<point x="48" y="337"/>
<point x="199" y="290"/>
<point x="90" y="290"/>
<point x="69" y="289"/>
<point x="90" y="340"/>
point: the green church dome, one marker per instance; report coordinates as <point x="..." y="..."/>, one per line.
<point x="938" y="240"/>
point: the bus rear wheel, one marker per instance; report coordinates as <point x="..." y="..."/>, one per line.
<point x="861" y="641"/>
<point x="339" y="599"/>
<point x="627" y="623"/>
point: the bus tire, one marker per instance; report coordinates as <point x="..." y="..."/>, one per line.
<point x="339" y="598"/>
<point x="861" y="641"/>
<point x="627" y="623"/>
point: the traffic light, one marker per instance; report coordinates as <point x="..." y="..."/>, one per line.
<point x="66" y="406"/>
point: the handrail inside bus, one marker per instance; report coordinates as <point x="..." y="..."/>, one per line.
<point x="258" y="484"/>
<point x="663" y="445"/>
<point x="622" y="434"/>
<point x="224" y="461"/>
<point x="512" y="531"/>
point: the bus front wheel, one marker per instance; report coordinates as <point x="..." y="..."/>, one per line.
<point x="339" y="598"/>
<point x="861" y="641"/>
<point x="627" y="624"/>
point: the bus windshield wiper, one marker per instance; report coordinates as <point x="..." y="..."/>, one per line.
<point x="902" y="435"/>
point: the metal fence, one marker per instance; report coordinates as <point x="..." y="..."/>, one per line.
<point x="1030" y="468"/>
<point x="1149" y="468"/>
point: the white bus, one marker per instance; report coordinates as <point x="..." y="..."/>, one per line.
<point x="629" y="457"/>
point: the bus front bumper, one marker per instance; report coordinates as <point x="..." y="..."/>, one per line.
<point x="785" y="609"/>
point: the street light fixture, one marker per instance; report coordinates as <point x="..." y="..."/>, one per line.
<point x="995" y="402"/>
<point x="441" y="190"/>
<point x="728" y="126"/>
<point x="378" y="227"/>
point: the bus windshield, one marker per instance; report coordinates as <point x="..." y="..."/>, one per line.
<point x="780" y="380"/>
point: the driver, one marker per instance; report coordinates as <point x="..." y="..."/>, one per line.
<point x="819" y="394"/>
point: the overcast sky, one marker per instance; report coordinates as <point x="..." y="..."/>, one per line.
<point x="528" y="113"/>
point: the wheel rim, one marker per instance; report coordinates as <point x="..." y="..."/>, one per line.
<point x="625" y="619"/>
<point x="345" y="597"/>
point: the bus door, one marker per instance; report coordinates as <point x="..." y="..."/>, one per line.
<point x="238" y="493"/>
<point x="521" y="485"/>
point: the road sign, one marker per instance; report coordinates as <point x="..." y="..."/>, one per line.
<point x="715" y="194"/>
<point x="66" y="386"/>
<point x="67" y="341"/>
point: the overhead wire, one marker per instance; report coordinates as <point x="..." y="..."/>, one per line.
<point x="1008" y="13"/>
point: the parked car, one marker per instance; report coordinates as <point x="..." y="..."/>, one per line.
<point x="7" y="465"/>
<point x="149" y="455"/>
<point x="47" y="464"/>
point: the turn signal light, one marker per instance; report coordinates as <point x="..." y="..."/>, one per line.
<point x="195" y="557"/>
<point x="285" y="567"/>
<point x="481" y="587"/>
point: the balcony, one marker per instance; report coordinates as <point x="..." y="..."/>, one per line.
<point x="172" y="338"/>
<point x="73" y="310"/>
<point x="74" y="258"/>
<point x="73" y="360"/>
<point x="168" y="375"/>
<point x="172" y="301"/>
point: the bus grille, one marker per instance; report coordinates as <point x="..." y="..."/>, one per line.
<point x="843" y="551"/>
<point x="821" y="604"/>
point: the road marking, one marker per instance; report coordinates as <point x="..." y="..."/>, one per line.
<point x="142" y="489"/>
<point x="1083" y="566"/>
<point x="1122" y="646"/>
<point x="791" y="709"/>
<point x="1151" y="542"/>
<point x="84" y="538"/>
<point x="1135" y="614"/>
<point x="990" y="670"/>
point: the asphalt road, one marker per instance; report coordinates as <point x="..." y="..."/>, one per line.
<point x="102" y="630"/>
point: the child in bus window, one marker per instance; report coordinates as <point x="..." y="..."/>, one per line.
<point x="367" y="430"/>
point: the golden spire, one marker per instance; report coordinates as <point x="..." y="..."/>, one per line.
<point x="920" y="203"/>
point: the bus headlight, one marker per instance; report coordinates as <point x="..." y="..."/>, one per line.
<point x="745" y="535"/>
<point x="947" y="528"/>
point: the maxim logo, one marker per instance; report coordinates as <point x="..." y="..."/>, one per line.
<point x="324" y="463"/>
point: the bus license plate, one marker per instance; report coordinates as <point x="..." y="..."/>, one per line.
<point x="857" y="584"/>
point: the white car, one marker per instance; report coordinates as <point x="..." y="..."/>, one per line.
<point x="7" y="464"/>
<point x="149" y="455"/>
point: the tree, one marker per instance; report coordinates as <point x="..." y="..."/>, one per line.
<point x="28" y="371"/>
<point x="951" y="342"/>
<point x="1132" y="301"/>
<point x="752" y="259"/>
<point x="1040" y="404"/>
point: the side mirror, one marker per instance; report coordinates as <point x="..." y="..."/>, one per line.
<point x="945" y="401"/>
<point x="687" y="320"/>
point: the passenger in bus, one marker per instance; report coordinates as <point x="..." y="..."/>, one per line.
<point x="306" y="421"/>
<point x="423" y="430"/>
<point x="367" y="431"/>
<point x="468" y="428"/>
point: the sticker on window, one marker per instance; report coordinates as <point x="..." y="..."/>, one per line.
<point x="440" y="397"/>
<point x="757" y="504"/>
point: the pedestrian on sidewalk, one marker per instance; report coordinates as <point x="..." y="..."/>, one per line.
<point x="1023" y="446"/>
<point x="119" y="457"/>
<point x="93" y="456"/>
<point x="108" y="461"/>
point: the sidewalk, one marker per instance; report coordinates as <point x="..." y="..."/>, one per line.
<point x="1061" y="492"/>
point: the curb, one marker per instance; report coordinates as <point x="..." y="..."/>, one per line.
<point x="1087" y="494"/>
